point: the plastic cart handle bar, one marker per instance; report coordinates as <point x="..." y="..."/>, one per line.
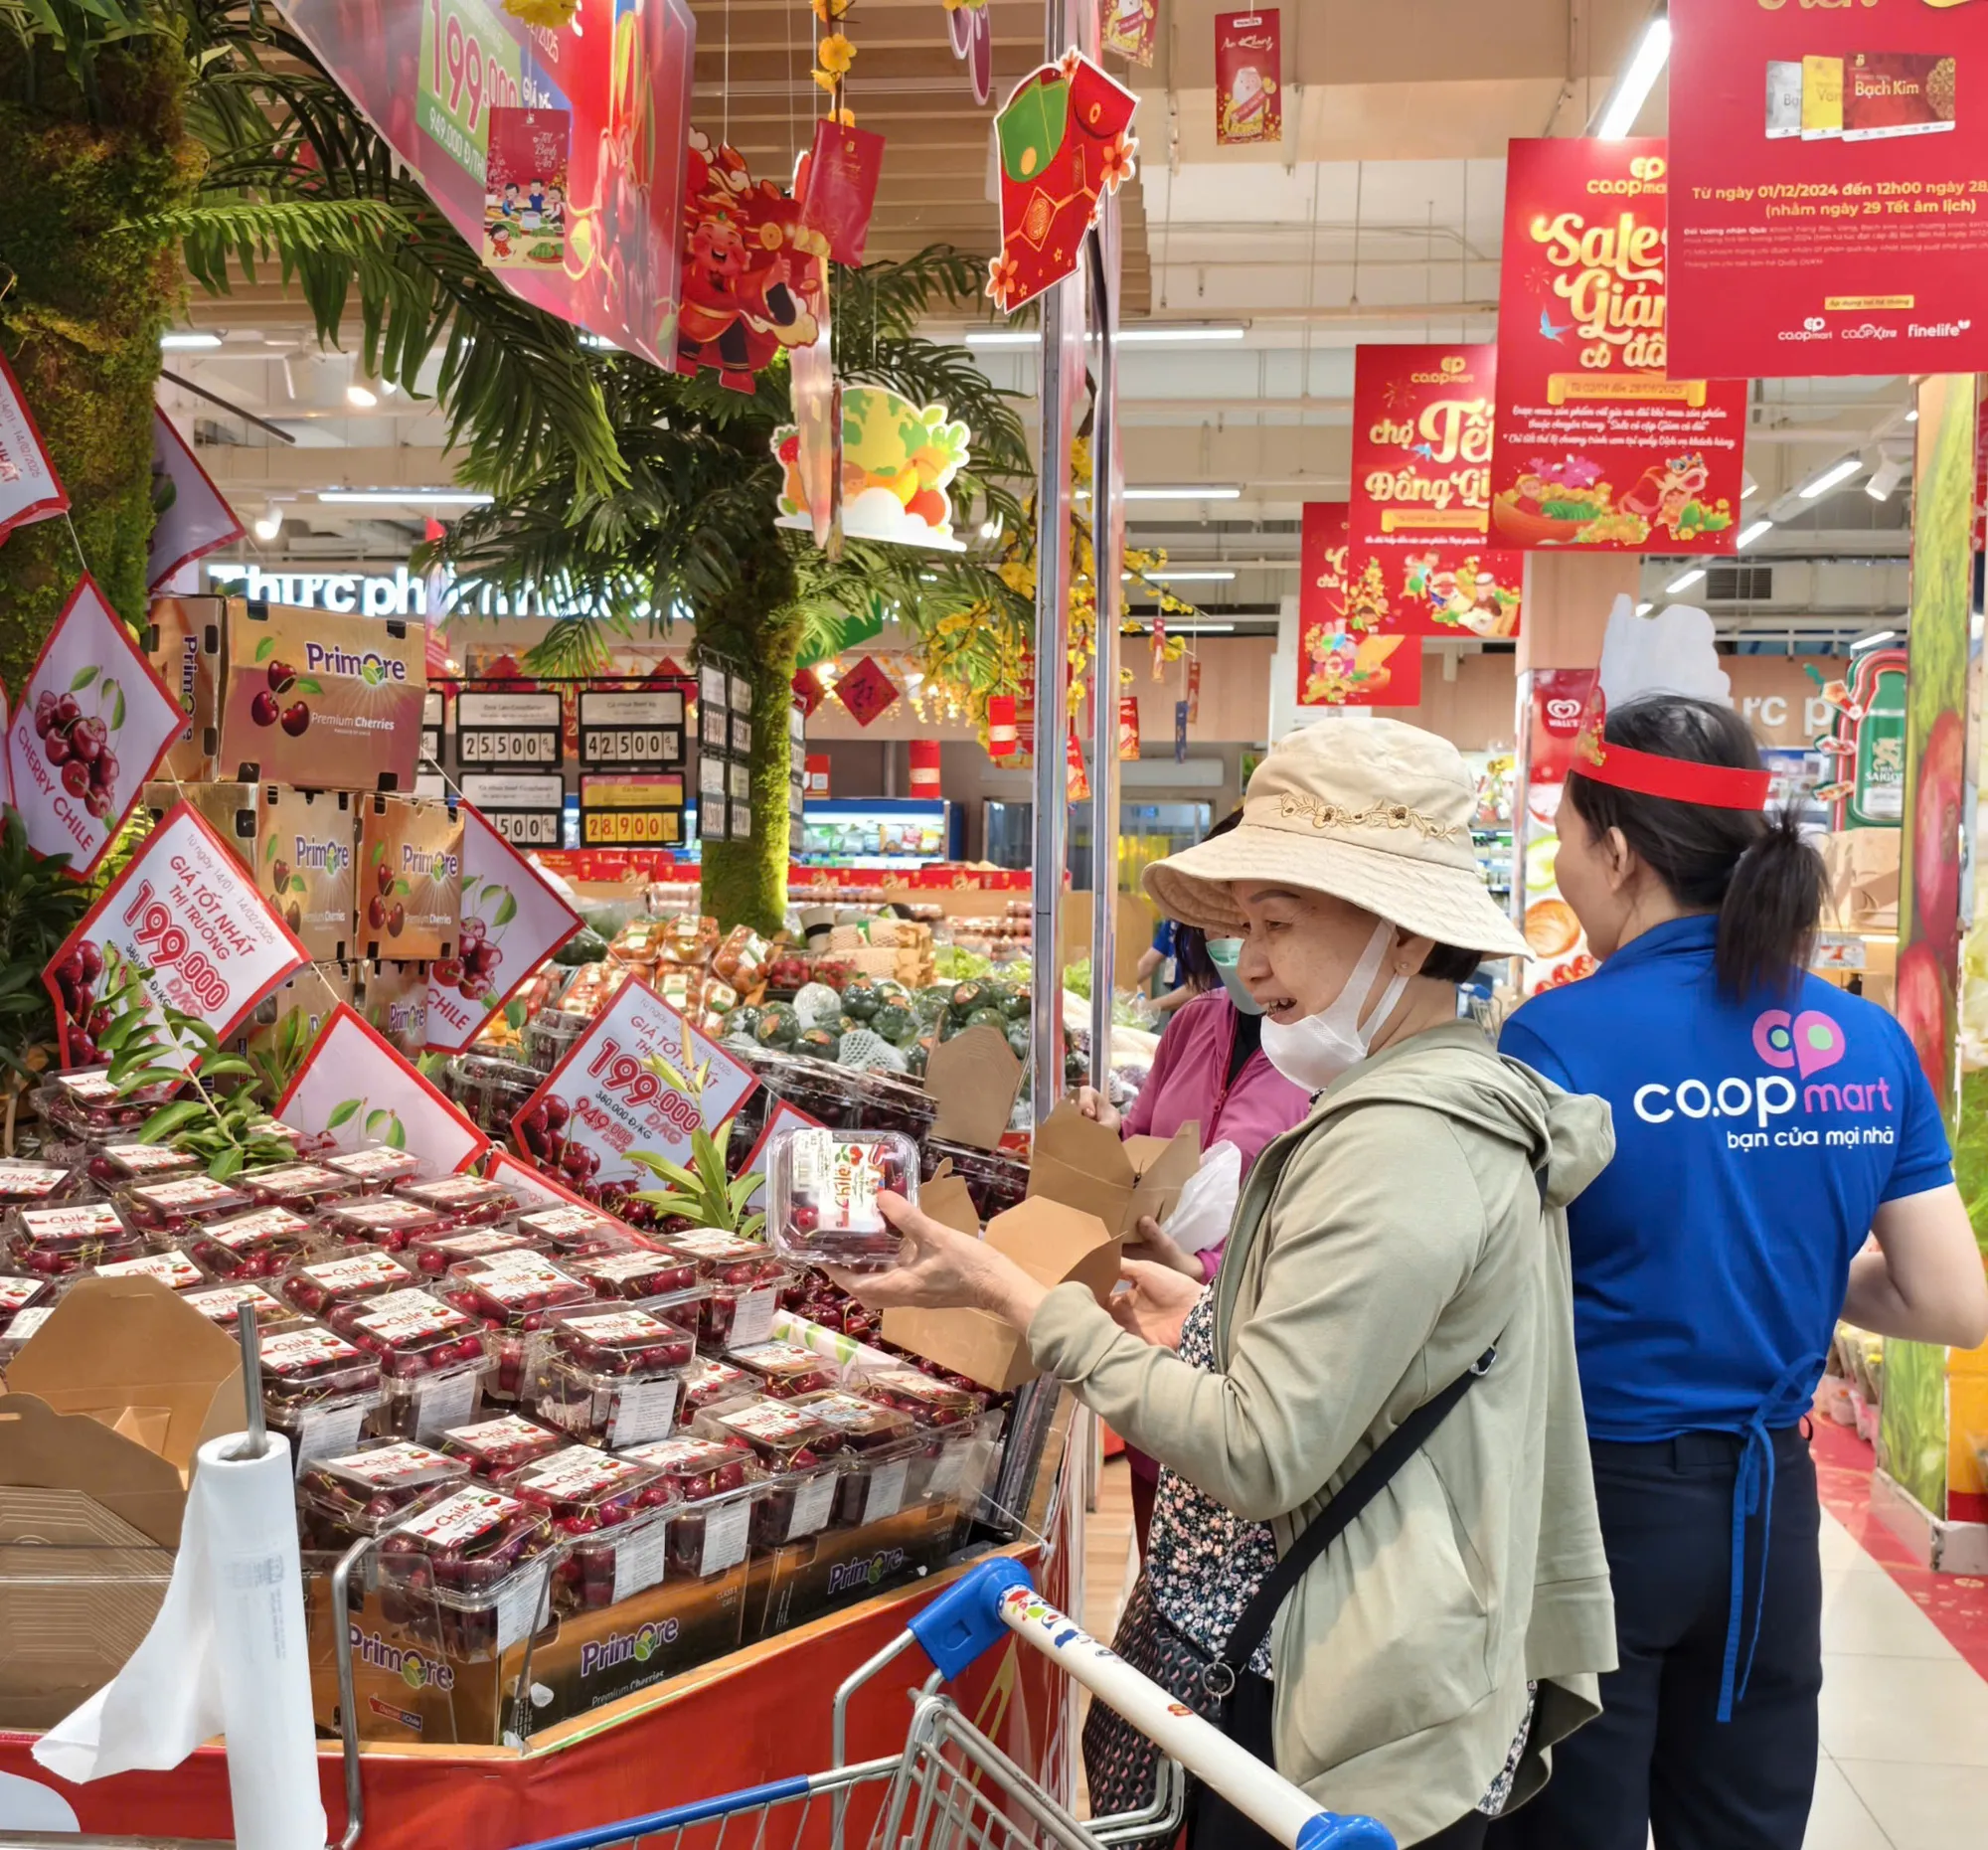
<point x="998" y="1595"/>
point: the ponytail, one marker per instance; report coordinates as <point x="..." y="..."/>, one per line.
<point x="1768" y="919"/>
<point x="1753" y="870"/>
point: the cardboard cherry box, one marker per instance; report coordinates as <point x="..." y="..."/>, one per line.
<point x="1051" y="1242"/>
<point x="106" y="1404"/>
<point x="823" y="1572"/>
<point x="183" y="643"/>
<point x="409" y="890"/>
<point x="1080" y="1163"/>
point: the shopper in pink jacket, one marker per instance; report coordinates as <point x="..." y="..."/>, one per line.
<point x="1209" y="1069"/>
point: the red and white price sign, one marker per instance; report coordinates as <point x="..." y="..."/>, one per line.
<point x="512" y="921"/>
<point x="29" y="487"/>
<point x="187" y="912"/>
<point x="604" y="1100"/>
<point x="529" y="1184"/>
<point x="92" y="725"/>
<point x="357" y="1088"/>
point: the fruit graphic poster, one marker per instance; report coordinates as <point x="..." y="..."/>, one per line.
<point x="896" y="461"/>
<point x="185" y="914"/>
<point x="525" y="187"/>
<point x="357" y="1089"/>
<point x="92" y="725"/>
<point x="1438" y="590"/>
<point x="1344" y="658"/>
<point x="639" y="1079"/>
<point x="1249" y="78"/>
<point x="29" y="487"/>
<point x="512" y="921"/>
<point x="1596" y="445"/>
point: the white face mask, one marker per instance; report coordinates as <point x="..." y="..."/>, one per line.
<point x="1314" y="1052"/>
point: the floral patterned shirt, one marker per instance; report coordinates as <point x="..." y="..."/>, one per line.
<point x="1203" y="1563"/>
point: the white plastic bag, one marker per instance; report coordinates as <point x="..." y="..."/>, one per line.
<point x="1206" y="1203"/>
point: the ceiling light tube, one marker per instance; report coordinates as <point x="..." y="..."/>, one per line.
<point x="1652" y="54"/>
<point x="1871" y="642"/>
<point x="1832" y="477"/>
<point x="1181" y="577"/>
<point x="188" y="343"/>
<point x="1187" y="491"/>
<point x="1758" y="529"/>
<point x="360" y="396"/>
<point x="1143" y="334"/>
<point x="404" y="497"/>
<point x="1684" y="580"/>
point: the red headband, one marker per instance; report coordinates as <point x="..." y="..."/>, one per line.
<point x="1714" y="786"/>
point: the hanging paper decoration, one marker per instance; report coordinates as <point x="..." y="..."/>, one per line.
<point x="1129" y="726"/>
<point x="1343" y="668"/>
<point x="812" y="453"/>
<point x="1001" y="739"/>
<point x="1064" y="146"/>
<point x="1194" y="687"/>
<point x="808" y="690"/>
<point x="970" y="26"/>
<point x="29" y="491"/>
<point x="867" y="690"/>
<point x="1436" y="590"/>
<point x="1077" y="781"/>
<point x="748" y="286"/>
<point x="1249" y="78"/>
<point x="1131" y="25"/>
<point x="196" y="519"/>
<point x="897" y="459"/>
<point x="924" y="766"/>
<point x="836" y="183"/>
<point x="525" y="187"/>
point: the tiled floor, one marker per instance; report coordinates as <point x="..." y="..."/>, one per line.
<point x="1904" y="1717"/>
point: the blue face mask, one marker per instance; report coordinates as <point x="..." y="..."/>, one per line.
<point x="1223" y="953"/>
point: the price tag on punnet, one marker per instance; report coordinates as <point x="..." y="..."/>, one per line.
<point x="602" y="1101"/>
<point x="92" y="725"/>
<point x="357" y="1088"/>
<point x="186" y="911"/>
<point x="512" y="921"/>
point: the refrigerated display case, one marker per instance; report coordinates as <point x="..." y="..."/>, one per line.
<point x="880" y="831"/>
<point x="1147" y="832"/>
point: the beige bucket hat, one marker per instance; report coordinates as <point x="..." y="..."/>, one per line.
<point x="1372" y="811"/>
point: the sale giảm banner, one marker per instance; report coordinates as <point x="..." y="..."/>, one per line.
<point x="1598" y="442"/>
<point x="186" y="916"/>
<point x="1829" y="187"/>
<point x="600" y="252"/>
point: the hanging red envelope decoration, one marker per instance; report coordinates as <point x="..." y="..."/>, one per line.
<point x="1131" y="25"/>
<point x="867" y="690"/>
<point x="1129" y="726"/>
<point x="1193" y="688"/>
<point x="749" y="288"/>
<point x="1249" y="78"/>
<point x="1077" y="782"/>
<point x="837" y="186"/>
<point x="1001" y="737"/>
<point x="808" y="690"/>
<point x="970" y="26"/>
<point x="1064" y="146"/>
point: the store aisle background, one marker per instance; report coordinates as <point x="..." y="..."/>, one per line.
<point x="1904" y="1715"/>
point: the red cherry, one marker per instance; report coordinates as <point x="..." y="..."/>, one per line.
<point x="57" y="748"/>
<point x="296" y="720"/>
<point x="282" y="674"/>
<point x="264" y="710"/>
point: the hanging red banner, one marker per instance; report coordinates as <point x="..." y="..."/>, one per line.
<point x="1129" y="726"/>
<point x="1597" y="445"/>
<point x="1249" y="78"/>
<point x="431" y="77"/>
<point x="1130" y="27"/>
<point x="1077" y="781"/>
<point x="1435" y="590"/>
<point x="867" y="690"/>
<point x="1844" y="212"/>
<point x="1421" y="445"/>
<point x="837" y="186"/>
<point x="1193" y="689"/>
<point x="1322" y="550"/>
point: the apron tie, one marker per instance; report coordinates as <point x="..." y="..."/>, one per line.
<point x="1753" y="1493"/>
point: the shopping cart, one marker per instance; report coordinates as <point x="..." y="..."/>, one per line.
<point x="953" y="1787"/>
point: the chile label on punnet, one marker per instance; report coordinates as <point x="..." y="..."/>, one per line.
<point x="186" y="911"/>
<point x="602" y="1101"/>
<point x="512" y="921"/>
<point x="92" y="725"/>
<point x="357" y="1089"/>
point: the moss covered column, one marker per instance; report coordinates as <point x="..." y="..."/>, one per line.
<point x="758" y="626"/>
<point x="82" y="320"/>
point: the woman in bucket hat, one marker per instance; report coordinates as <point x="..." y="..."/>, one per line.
<point x="1397" y="1263"/>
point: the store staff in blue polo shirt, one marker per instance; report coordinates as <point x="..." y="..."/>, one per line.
<point x="1765" y="1123"/>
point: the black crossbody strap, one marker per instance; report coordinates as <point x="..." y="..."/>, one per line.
<point x="1355" y="1494"/>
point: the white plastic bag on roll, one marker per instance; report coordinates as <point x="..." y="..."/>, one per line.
<point x="227" y="1655"/>
<point x="1206" y="1203"/>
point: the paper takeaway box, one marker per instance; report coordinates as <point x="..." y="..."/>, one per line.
<point x="1083" y="1165"/>
<point x="1861" y="870"/>
<point x="1052" y="1242"/>
<point x="975" y="1077"/>
<point x="107" y="1402"/>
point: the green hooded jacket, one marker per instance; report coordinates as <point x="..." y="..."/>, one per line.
<point x="1376" y="1252"/>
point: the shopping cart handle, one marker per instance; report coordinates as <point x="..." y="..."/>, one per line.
<point x="965" y="1619"/>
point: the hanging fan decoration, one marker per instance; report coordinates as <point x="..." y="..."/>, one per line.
<point x="970" y="26"/>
